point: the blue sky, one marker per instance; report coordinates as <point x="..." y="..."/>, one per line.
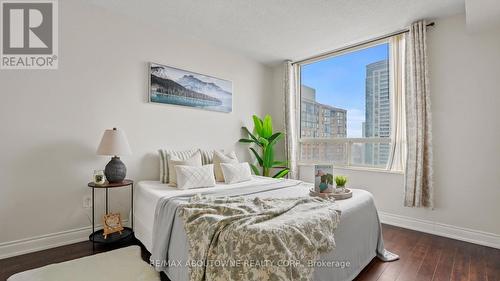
<point x="340" y="82"/>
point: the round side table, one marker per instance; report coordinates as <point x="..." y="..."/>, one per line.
<point x="127" y="232"/>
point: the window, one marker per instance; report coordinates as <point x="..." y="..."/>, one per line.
<point x="346" y="106"/>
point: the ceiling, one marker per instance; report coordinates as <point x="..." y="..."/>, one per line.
<point x="274" y="30"/>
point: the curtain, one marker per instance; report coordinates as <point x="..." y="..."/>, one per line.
<point x="397" y="158"/>
<point x="290" y="83"/>
<point x="418" y="177"/>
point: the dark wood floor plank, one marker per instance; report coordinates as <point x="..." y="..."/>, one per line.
<point x="413" y="263"/>
<point x="461" y="264"/>
<point x="492" y="264"/>
<point x="445" y="263"/>
<point x="478" y="261"/>
<point x="431" y="259"/>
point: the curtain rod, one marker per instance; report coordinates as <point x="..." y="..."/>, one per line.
<point x="329" y="53"/>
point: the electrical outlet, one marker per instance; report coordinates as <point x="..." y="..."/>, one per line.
<point x="87" y="202"/>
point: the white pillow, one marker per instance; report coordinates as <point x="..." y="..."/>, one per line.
<point x="207" y="156"/>
<point x="165" y="155"/>
<point x="219" y="158"/>
<point x="238" y="172"/>
<point x="194" y="160"/>
<point x="195" y="177"/>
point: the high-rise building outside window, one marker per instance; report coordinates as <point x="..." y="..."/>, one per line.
<point x="345" y="102"/>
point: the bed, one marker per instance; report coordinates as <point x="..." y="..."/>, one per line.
<point x="358" y="236"/>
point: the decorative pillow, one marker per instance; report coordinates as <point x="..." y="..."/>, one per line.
<point x="194" y="160"/>
<point x="234" y="173"/>
<point x="219" y="158"/>
<point x="195" y="177"/>
<point x="207" y="156"/>
<point x="165" y="156"/>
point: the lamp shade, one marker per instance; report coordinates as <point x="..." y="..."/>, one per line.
<point x="114" y="142"/>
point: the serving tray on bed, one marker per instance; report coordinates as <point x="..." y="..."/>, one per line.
<point x="338" y="196"/>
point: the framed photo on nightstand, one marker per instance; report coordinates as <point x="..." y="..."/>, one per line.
<point x="111" y="223"/>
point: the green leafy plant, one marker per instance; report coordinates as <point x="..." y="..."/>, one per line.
<point x="340" y="181"/>
<point x="265" y="139"/>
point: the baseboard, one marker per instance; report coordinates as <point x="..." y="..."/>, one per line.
<point x="47" y="241"/>
<point x="441" y="229"/>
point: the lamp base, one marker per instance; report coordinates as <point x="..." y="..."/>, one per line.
<point x="115" y="170"/>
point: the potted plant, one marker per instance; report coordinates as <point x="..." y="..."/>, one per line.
<point x="265" y="139"/>
<point x="340" y="182"/>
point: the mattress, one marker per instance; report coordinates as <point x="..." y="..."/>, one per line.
<point x="357" y="237"/>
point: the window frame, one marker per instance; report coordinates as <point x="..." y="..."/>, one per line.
<point x="347" y="141"/>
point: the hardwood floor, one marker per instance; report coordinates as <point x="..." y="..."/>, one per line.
<point x="422" y="257"/>
<point x="430" y="257"/>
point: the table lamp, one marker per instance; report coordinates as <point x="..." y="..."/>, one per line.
<point x="114" y="143"/>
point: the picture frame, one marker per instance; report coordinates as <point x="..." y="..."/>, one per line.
<point x="111" y="223"/>
<point x="175" y="86"/>
<point x="323" y="178"/>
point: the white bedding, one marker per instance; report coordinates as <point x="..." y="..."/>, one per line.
<point x="147" y="194"/>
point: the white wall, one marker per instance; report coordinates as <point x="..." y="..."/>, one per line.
<point x="51" y="121"/>
<point x="465" y="98"/>
<point x="465" y="90"/>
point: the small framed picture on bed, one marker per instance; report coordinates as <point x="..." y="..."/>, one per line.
<point x="323" y="178"/>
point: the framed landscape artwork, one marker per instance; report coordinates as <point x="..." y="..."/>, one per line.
<point x="169" y="85"/>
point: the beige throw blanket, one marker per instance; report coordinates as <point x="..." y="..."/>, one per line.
<point x="259" y="239"/>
